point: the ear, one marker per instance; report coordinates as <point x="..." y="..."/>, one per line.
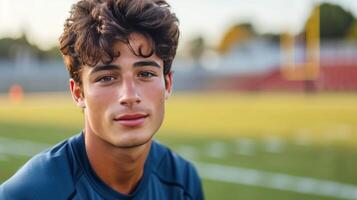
<point x="76" y="92"/>
<point x="168" y="85"/>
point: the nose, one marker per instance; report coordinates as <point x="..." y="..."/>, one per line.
<point x="129" y="93"/>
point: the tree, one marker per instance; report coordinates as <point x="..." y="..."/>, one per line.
<point x="9" y="46"/>
<point x="335" y="21"/>
<point x="197" y="48"/>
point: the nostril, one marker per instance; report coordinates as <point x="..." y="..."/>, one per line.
<point x="129" y="100"/>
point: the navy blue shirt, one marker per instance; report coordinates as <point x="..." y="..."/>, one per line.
<point x="64" y="172"/>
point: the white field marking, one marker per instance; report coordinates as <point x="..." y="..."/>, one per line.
<point x="18" y="147"/>
<point x="303" y="137"/>
<point x="187" y="152"/>
<point x="245" y="146"/>
<point x="273" y="144"/>
<point x="217" y="149"/>
<point x="278" y="181"/>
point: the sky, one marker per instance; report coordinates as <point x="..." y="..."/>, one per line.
<point x="43" y="20"/>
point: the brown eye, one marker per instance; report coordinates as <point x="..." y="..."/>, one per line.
<point x="146" y="74"/>
<point x="106" y="79"/>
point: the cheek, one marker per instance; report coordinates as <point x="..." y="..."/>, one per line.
<point x="97" y="101"/>
<point x="156" y="97"/>
<point x="156" y="93"/>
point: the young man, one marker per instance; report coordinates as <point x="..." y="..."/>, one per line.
<point x="119" y="55"/>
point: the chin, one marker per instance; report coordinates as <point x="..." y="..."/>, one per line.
<point x="132" y="140"/>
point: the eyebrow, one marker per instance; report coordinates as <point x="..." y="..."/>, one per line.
<point x="105" y="67"/>
<point x="117" y="67"/>
<point x="146" y="63"/>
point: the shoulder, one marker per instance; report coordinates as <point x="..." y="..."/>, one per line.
<point x="47" y="174"/>
<point x="172" y="169"/>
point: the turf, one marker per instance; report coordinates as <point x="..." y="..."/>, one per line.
<point x="302" y="135"/>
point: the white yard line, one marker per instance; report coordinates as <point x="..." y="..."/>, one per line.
<point x="18" y="147"/>
<point x="216" y="149"/>
<point x="278" y="181"/>
<point x="245" y="147"/>
<point x="188" y="152"/>
<point x="273" y="144"/>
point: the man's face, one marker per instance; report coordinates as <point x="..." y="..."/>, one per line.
<point x="124" y="100"/>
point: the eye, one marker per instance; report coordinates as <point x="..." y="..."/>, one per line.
<point x="146" y="74"/>
<point x="106" y="79"/>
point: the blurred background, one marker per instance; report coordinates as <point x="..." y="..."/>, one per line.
<point x="264" y="100"/>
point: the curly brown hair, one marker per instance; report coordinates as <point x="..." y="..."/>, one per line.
<point x="94" y="26"/>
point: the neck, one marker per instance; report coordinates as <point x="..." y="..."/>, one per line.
<point x="119" y="168"/>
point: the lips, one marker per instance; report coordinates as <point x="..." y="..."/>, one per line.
<point x="131" y="120"/>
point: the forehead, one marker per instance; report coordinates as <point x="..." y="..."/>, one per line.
<point x="138" y="49"/>
<point x="139" y="46"/>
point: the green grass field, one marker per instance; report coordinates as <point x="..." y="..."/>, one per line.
<point x="245" y="146"/>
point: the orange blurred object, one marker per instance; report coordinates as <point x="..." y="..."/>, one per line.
<point x="16" y="93"/>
